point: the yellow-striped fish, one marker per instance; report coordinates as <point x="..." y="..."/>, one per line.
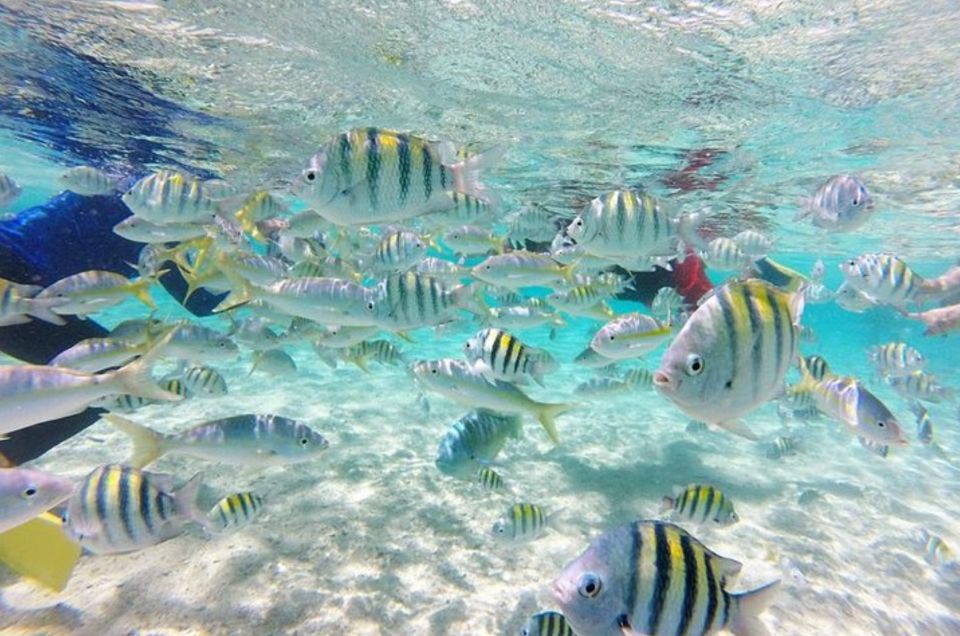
<point x="895" y="358"/>
<point x="371" y="175"/>
<point x="654" y="578"/>
<point x="489" y="479"/>
<point x="121" y="509"/>
<point x="400" y="251"/>
<point x="501" y="355"/>
<point x="884" y="278"/>
<point x="411" y="300"/>
<point x="817" y="366"/>
<point x="202" y="380"/>
<point x="547" y="624"/>
<point x="521" y="522"/>
<point x="628" y="336"/>
<point x="235" y="511"/>
<point x="701" y="503"/>
<point x="733" y="353"/>
<point x="921" y="386"/>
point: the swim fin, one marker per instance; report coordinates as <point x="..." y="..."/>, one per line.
<point x="39" y="550"/>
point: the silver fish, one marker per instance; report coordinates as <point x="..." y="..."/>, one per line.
<point x="629" y="336"/>
<point x="842" y="204"/>
<point x="88" y="181"/>
<point x="26" y="493"/>
<point x="475" y="440"/>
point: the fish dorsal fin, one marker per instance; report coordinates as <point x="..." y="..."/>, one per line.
<point x="729" y="568"/>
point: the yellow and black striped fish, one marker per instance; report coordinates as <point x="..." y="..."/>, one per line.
<point x="654" y="578"/>
<point x="895" y="358"/>
<point x="701" y="503"/>
<point x="884" y="277"/>
<point x="921" y="386"/>
<point x="372" y="175"/>
<point x="201" y="380"/>
<point x="521" y="522"/>
<point x="400" y="251"/>
<point x="501" y="355"/>
<point x="547" y="624"/>
<point x="120" y="509"/>
<point x="411" y="300"/>
<point x="817" y="366"/>
<point x="235" y="511"/>
<point x="733" y="353"/>
<point x="489" y="479"/>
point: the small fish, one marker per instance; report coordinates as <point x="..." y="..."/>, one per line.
<point x="475" y="440"/>
<point x="629" y="336"/>
<point x="459" y="382"/>
<point x="88" y="181"/>
<point x="370" y="175"/>
<point x="411" y="300"/>
<point x="201" y="380"/>
<point x="253" y="440"/>
<point x="9" y="190"/>
<point x="469" y="240"/>
<point x="379" y="351"/>
<point x="601" y="387"/>
<point x="97" y="354"/>
<point x="817" y="366"/>
<point x="547" y="623"/>
<point x="895" y="359"/>
<point x="121" y="509"/>
<point x="196" y="343"/>
<point x="654" y="578"/>
<point x="533" y="223"/>
<point x="18" y="305"/>
<point x="234" y="512"/>
<point x="701" y="503"/>
<point x="638" y="378"/>
<point x="400" y="251"/>
<point x="884" y="278"/>
<point x="167" y="196"/>
<point x="842" y="204"/>
<point x="26" y="493"/>
<point x="733" y="353"/>
<point x="140" y="230"/>
<point x="275" y="362"/>
<point x="582" y="300"/>
<point x="440" y="268"/>
<point x="724" y="254"/>
<point x="753" y="244"/>
<point x="502" y="356"/>
<point x="849" y="402"/>
<point x="489" y="479"/>
<point x="781" y="447"/>
<point x="521" y="268"/>
<point x="937" y="553"/>
<point x="91" y="291"/>
<point x="331" y="301"/>
<point x="31" y="394"/>
<point x="924" y="425"/>
<point x="921" y="386"/>
<point x="522" y="522"/>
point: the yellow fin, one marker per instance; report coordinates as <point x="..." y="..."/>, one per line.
<point x="39" y="550"/>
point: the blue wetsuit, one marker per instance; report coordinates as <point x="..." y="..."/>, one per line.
<point x="68" y="234"/>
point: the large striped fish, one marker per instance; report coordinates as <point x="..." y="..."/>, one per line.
<point x="370" y="175"/>
<point x="654" y="578"/>
<point x="733" y="353"/>
<point x="411" y="300"/>
<point x="121" y="509"/>
<point x="631" y="228"/>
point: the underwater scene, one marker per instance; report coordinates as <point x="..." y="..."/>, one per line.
<point x="593" y="318"/>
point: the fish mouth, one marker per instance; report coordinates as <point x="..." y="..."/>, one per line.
<point x="662" y="381"/>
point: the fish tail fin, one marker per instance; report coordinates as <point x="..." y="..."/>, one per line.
<point x="666" y="504"/>
<point x="748" y="607"/>
<point x="42" y="308"/>
<point x="237" y="298"/>
<point x="467" y="173"/>
<point x="140" y="290"/>
<point x="687" y="228"/>
<point x="187" y="505"/>
<point x="567" y="271"/>
<point x="136" y="378"/>
<point x="40" y="550"/>
<point x="148" y="445"/>
<point x="547" y="414"/>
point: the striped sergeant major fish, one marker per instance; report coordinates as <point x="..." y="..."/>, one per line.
<point x="547" y="623"/>
<point x="625" y="226"/>
<point x="372" y="175"/>
<point x="489" y="479"/>
<point x="848" y="401"/>
<point x="884" y="278"/>
<point x="733" y="354"/>
<point x="202" y="380"/>
<point x="475" y="440"/>
<point x="167" y="196"/>
<point x="502" y="356"/>
<point x="88" y="181"/>
<point x="522" y="522"/>
<point x="118" y="509"/>
<point x="411" y="300"/>
<point x="654" y="578"/>
<point x="817" y="366"/>
<point x="895" y="358"/>
<point x="701" y="503"/>
<point x="842" y="204"/>
<point x="400" y="251"/>
<point x="921" y="386"/>
<point x="234" y="511"/>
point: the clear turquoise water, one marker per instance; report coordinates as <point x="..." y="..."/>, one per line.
<point x="586" y="96"/>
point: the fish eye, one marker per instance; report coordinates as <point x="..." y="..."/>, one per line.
<point x="525" y="631"/>
<point x="304" y="441"/>
<point x="881" y="424"/>
<point x="612" y="337"/>
<point x="30" y="491"/>
<point x="222" y="344"/>
<point x="590" y="585"/>
<point x="694" y="364"/>
<point x="311" y="175"/>
<point x="433" y="371"/>
<point x="370" y="305"/>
